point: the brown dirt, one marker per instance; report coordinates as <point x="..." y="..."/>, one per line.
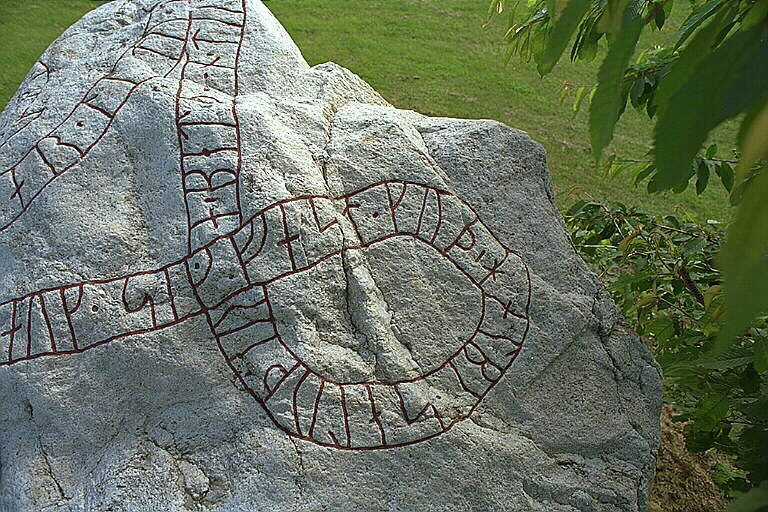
<point x="683" y="480"/>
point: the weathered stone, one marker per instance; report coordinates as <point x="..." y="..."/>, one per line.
<point x="230" y="281"/>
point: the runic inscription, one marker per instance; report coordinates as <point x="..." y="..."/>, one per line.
<point x="234" y="273"/>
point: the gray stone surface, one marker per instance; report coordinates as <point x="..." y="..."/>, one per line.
<point x="230" y="281"/>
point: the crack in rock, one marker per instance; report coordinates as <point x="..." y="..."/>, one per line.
<point x="300" y="474"/>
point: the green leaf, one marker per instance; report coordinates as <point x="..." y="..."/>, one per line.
<point x="710" y="411"/>
<point x="588" y="50"/>
<point x="609" y="164"/>
<point x="609" y="101"/>
<point x="637" y="90"/>
<point x="725" y="171"/>
<point x="694" y="20"/>
<point x="760" y="361"/>
<point x="756" y="14"/>
<point x="698" y="440"/>
<point x="724" y="364"/>
<point x="668" y="7"/>
<point x="563" y="28"/>
<point x="735" y="358"/>
<point x="690" y="56"/>
<point x="725" y="475"/>
<point x="662" y="327"/>
<point x="680" y="188"/>
<point x="702" y="177"/>
<point x="744" y="259"/>
<point x="753" y="459"/>
<point x="585" y="45"/>
<point x="754" y="143"/>
<point x="749" y="381"/>
<point x="757" y="411"/>
<point x="647" y="170"/>
<point x="755" y="500"/>
<point x="578" y="100"/>
<point x="710" y="295"/>
<point x="610" y="21"/>
<point x="577" y="207"/>
<point x="749" y="83"/>
<point x="693" y="246"/>
<point x="538" y="41"/>
<point x="495" y="7"/>
<point x="686" y="122"/>
<point x="650" y="107"/>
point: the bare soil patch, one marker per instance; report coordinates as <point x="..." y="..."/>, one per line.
<point x="683" y="480"/>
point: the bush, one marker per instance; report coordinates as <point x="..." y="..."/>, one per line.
<point x="662" y="273"/>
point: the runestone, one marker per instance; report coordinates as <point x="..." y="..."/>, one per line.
<point x="186" y="205"/>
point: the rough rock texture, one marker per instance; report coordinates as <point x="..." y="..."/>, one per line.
<point x="233" y="282"/>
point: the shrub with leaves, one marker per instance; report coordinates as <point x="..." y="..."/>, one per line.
<point x="663" y="275"/>
<point x="713" y="69"/>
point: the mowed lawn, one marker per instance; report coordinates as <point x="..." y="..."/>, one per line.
<point x="433" y="56"/>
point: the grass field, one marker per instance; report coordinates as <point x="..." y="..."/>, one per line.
<point x="433" y="56"/>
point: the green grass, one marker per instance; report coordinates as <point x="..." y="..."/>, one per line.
<point x="27" y="27"/>
<point x="433" y="56"/>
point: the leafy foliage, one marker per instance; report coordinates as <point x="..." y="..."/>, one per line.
<point x="712" y="70"/>
<point x="707" y="334"/>
<point x="755" y="500"/>
<point x="607" y="103"/>
<point x="662" y="273"/>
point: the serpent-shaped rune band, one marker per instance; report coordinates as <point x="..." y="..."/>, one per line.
<point x="241" y="276"/>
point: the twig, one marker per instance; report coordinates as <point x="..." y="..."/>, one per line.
<point x="744" y="422"/>
<point x="673" y="305"/>
<point x="686" y="278"/>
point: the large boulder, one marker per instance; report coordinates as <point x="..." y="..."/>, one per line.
<point x="230" y="281"/>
